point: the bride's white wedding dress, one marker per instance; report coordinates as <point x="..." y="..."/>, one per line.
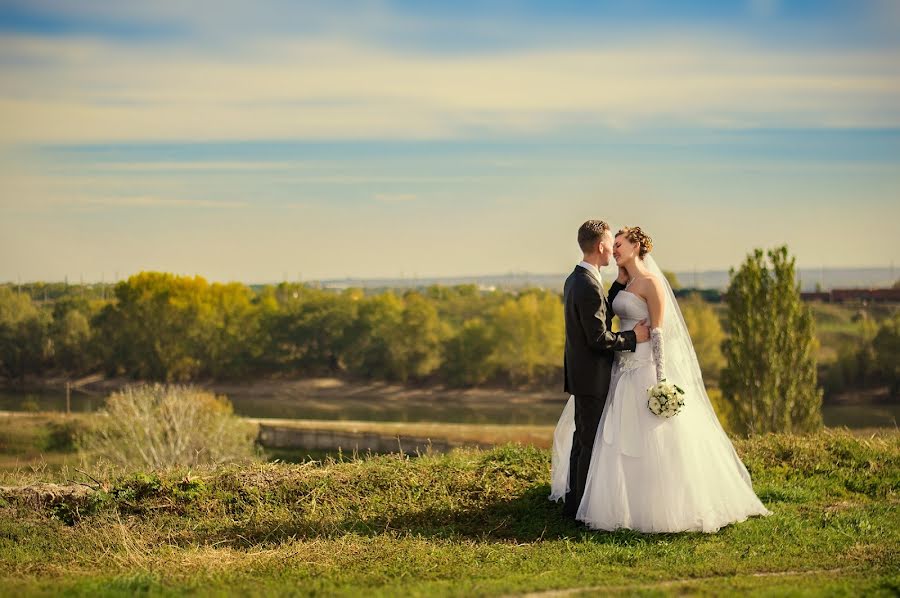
<point x="650" y="473"/>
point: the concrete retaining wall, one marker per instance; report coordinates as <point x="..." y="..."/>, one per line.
<point x="287" y="437"/>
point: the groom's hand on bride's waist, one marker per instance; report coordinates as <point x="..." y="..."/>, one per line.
<point x="642" y="331"/>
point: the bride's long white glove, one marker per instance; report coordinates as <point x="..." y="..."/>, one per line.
<point x="659" y="356"/>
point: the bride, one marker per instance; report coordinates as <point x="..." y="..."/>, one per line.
<point x="649" y="473"/>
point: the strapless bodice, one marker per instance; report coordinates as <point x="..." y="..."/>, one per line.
<point x="631" y="309"/>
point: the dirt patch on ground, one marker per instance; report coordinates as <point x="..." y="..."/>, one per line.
<point x="38" y="496"/>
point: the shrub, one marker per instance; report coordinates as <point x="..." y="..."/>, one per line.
<point x="162" y="426"/>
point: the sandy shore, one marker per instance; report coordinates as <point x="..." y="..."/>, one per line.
<point x="316" y="388"/>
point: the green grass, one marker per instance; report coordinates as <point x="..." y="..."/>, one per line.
<point x="38" y="440"/>
<point x="537" y="435"/>
<point x="467" y="523"/>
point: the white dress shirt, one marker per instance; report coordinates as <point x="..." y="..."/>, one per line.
<point x="593" y="270"/>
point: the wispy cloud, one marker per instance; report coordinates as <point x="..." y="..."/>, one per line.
<point x="210" y="166"/>
<point x="395" y="197"/>
<point x="145" y="202"/>
<point x="92" y="90"/>
<point x="145" y="126"/>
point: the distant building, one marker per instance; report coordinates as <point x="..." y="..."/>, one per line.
<point x="850" y="295"/>
<point x="816" y="296"/>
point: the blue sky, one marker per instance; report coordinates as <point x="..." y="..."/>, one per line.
<point x="242" y="141"/>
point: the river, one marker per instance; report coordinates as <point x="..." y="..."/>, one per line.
<point x="408" y="407"/>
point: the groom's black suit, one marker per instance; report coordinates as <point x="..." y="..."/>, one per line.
<point x="588" y="364"/>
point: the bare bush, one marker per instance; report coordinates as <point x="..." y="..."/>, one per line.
<point x="159" y="426"/>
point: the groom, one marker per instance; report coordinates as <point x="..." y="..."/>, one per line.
<point x="589" y="348"/>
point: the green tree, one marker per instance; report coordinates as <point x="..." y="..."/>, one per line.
<point x="467" y="355"/>
<point x="312" y="333"/>
<point x="374" y="352"/>
<point x="529" y="335"/>
<point x="770" y="373"/>
<point x="707" y="335"/>
<point x="71" y="335"/>
<point x="230" y="320"/>
<point x="856" y="365"/>
<point x="24" y="335"/>
<point x="886" y="348"/>
<point x="460" y="303"/>
<point x="74" y="342"/>
<point x="157" y="328"/>
<point x="420" y="336"/>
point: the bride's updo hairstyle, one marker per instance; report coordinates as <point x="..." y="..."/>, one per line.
<point x="634" y="234"/>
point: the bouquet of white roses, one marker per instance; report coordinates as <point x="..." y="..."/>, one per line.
<point x="665" y="399"/>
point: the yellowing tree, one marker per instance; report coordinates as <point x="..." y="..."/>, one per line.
<point x="529" y="335"/>
<point x="706" y="334"/>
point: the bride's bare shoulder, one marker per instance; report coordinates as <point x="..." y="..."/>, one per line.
<point x="659" y="289"/>
<point x="655" y="281"/>
<point x="647" y="285"/>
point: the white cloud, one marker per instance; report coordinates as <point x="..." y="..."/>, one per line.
<point x="395" y="197"/>
<point x="207" y="166"/>
<point x="147" y="201"/>
<point x="84" y="90"/>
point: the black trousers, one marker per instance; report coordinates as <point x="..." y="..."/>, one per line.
<point x="588" y="410"/>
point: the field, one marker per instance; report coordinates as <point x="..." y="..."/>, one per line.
<point x="467" y="523"/>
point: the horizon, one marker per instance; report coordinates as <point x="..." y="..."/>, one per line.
<point x="246" y="140"/>
<point x="884" y="276"/>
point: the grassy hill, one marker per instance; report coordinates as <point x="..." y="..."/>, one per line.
<point x="467" y="523"/>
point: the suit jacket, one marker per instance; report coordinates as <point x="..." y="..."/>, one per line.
<point x="589" y="341"/>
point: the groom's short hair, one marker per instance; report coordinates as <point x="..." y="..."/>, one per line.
<point x="590" y="232"/>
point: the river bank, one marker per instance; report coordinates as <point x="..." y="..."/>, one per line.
<point x="333" y="399"/>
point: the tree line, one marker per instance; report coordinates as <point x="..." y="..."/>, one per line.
<point x="164" y="327"/>
<point x="760" y="366"/>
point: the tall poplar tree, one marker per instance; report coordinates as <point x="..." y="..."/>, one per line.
<point x="770" y="373"/>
